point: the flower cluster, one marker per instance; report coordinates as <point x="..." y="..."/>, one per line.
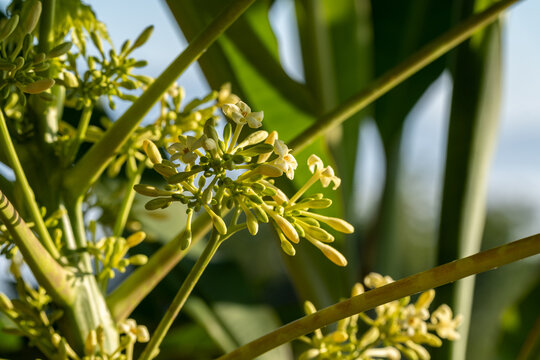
<point x="225" y="172"/>
<point x="22" y="65"/>
<point x="110" y="255"/>
<point x="110" y="74"/>
<point x="398" y="327"/>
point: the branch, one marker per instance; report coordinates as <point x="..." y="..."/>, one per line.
<point x="423" y="281"/>
<point x="400" y="73"/>
<point x="6" y="145"/>
<point x="51" y="275"/>
<point x="125" y="298"/>
<point x="151" y="350"/>
<point x="94" y="162"/>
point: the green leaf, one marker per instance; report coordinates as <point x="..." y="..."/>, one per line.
<point x="248" y="322"/>
<point x="472" y="134"/>
<point x="400" y="28"/>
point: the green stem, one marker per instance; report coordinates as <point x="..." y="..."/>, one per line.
<point x="127" y="201"/>
<point x="46" y="23"/>
<point x="51" y="275"/>
<point x="423" y="281"/>
<point x="124" y="299"/>
<point x="7" y="147"/>
<point x="94" y="162"/>
<point x="400" y="73"/>
<point x="236" y="135"/>
<point x="152" y="348"/>
<point x="79" y="136"/>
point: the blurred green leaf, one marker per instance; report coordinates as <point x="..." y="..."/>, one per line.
<point x="248" y="322"/>
<point x="400" y="28"/>
<point x="472" y="134"/>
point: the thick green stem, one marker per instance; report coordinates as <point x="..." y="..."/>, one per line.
<point x="94" y="162"/>
<point x="124" y="299"/>
<point x="6" y="145"/>
<point x="49" y="274"/>
<point x="423" y="281"/>
<point x="127" y="201"/>
<point x="400" y="73"/>
<point x="152" y="348"/>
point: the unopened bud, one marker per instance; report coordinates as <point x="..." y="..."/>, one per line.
<point x="218" y="222"/>
<point x="286" y="246"/>
<point x="309" y="308"/>
<point x="5" y="302"/>
<point x="254" y="138"/>
<point x="285" y="226"/>
<point x="269" y="170"/>
<point x="38" y="86"/>
<point x="185" y="240"/>
<point x="369" y="337"/>
<point x="142" y="334"/>
<point x="271" y="139"/>
<point x="60" y="50"/>
<point x="340" y="336"/>
<point x="138" y="260"/>
<point x="357" y="289"/>
<point x="251" y="221"/>
<point x="143" y="37"/>
<point x="70" y="80"/>
<point x="159" y="203"/>
<point x="152" y="152"/>
<point x="91" y="343"/>
<point x="9" y="27"/>
<point x="332" y="254"/>
<point x="31" y="18"/>
<point x="318" y="234"/>
<point x="149" y="190"/>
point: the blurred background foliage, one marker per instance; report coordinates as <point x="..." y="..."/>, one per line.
<point x="339" y="47"/>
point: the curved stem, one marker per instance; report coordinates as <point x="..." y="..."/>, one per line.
<point x="127" y="201"/>
<point x="400" y="73"/>
<point x="423" y="281"/>
<point x="98" y="157"/>
<point x="49" y="274"/>
<point x="152" y="348"/>
<point x="6" y="145"/>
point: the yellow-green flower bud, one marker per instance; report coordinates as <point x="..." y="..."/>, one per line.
<point x="138" y="260"/>
<point x="369" y="337"/>
<point x="309" y="308"/>
<point x="60" y="50"/>
<point x="271" y="139"/>
<point x="38" y="86"/>
<point x="286" y="246"/>
<point x="335" y="223"/>
<point x="159" y="203"/>
<point x="185" y="240"/>
<point x="288" y="230"/>
<point x="269" y="170"/>
<point x="357" y="289"/>
<point x="91" y="343"/>
<point x="31" y="17"/>
<point x="421" y="351"/>
<point x="309" y="354"/>
<point x="70" y="80"/>
<point x="9" y="27"/>
<point x="143" y="37"/>
<point x="251" y="222"/>
<point x="149" y="190"/>
<point x="254" y="138"/>
<point x="340" y="336"/>
<point x="332" y="254"/>
<point x="5" y="302"/>
<point x="152" y="152"/>
<point x="318" y="234"/>
<point x="425" y="299"/>
<point x="56" y="339"/>
<point x="427" y="338"/>
<point x="218" y="222"/>
<point x="165" y="170"/>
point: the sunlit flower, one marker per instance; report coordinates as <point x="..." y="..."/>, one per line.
<point x="326" y="174"/>
<point x="444" y="324"/>
<point x="185" y="147"/>
<point x="241" y="114"/>
<point x="285" y="161"/>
